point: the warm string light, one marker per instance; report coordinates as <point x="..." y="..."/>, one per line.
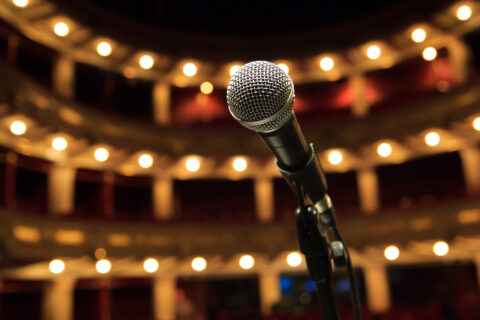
<point x="18" y="127"/>
<point x="150" y="265"/>
<point x="384" y="149"/>
<point x="104" y="49"/>
<point x="59" y="143"/>
<point x="192" y="164"/>
<point x="246" y="262"/>
<point x="374" y="52"/>
<point x="20" y="3"/>
<point x="206" y="87"/>
<point x="440" y="248"/>
<point x="199" y="264"/>
<point x="294" y="259"/>
<point x="146" y="62"/>
<point x="429" y="54"/>
<point x="327" y="64"/>
<point x="432" y="139"/>
<point x="464" y="12"/>
<point x="190" y="69"/>
<point x="419" y="35"/>
<point x="239" y="164"/>
<point x="101" y="154"/>
<point x="56" y="266"/>
<point x="476" y="124"/>
<point x="61" y="29"/>
<point x="284" y="67"/>
<point x="391" y="253"/>
<point x="145" y="160"/>
<point x="335" y="157"/>
<point x="103" y="266"/>
<point x="234" y="69"/>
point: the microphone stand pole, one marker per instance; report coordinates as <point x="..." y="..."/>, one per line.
<point x="313" y="225"/>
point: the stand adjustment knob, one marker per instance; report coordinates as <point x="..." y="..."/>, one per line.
<point x="338" y="254"/>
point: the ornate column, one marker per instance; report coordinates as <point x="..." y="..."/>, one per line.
<point x="161" y="103"/>
<point x="368" y="192"/>
<point x="164" y="298"/>
<point x="270" y="292"/>
<point x="360" y="104"/>
<point x="377" y="287"/>
<point x="58" y="296"/>
<point x="61" y="185"/>
<point x="264" y="201"/>
<point x="64" y="76"/>
<point x="458" y="55"/>
<point x="471" y="169"/>
<point x="163" y="198"/>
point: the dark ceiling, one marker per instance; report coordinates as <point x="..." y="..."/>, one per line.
<point x="239" y="30"/>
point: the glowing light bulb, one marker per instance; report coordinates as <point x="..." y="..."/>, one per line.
<point x="61" y="29"/>
<point x="103" y="266"/>
<point x="192" y="164"/>
<point x="150" y="265"/>
<point x="246" y="262"/>
<point x="294" y="259"/>
<point x="199" y="264"/>
<point x="429" y="54"/>
<point x="206" y="87"/>
<point x="56" y="266"/>
<point x="145" y="161"/>
<point x="20" y="3"/>
<point x="104" y="49"/>
<point x="327" y="64"/>
<point x="101" y="154"/>
<point x="476" y="124"/>
<point x="391" y="253"/>
<point x="234" y="69"/>
<point x="464" y="12"/>
<point x="374" y="52"/>
<point x="384" y="150"/>
<point x="59" y="143"/>
<point x="18" y="127"/>
<point x="146" y="62"/>
<point x="432" y="139"/>
<point x="239" y="164"/>
<point x="335" y="157"/>
<point x="419" y="35"/>
<point x="189" y="69"/>
<point x="440" y="248"/>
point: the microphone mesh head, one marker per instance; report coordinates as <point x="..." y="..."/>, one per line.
<point x="260" y="96"/>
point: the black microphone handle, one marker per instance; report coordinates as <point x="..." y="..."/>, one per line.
<point x="297" y="160"/>
<point x="288" y="145"/>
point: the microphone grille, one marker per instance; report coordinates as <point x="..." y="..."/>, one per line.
<point x="260" y="96"/>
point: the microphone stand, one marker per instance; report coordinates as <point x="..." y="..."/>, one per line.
<point x="313" y="225"/>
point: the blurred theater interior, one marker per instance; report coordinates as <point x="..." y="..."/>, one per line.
<point x="127" y="190"/>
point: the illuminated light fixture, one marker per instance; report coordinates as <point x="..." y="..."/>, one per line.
<point x="391" y="253"/>
<point x="192" y="164"/>
<point x="440" y="248"/>
<point x="103" y="266"/>
<point x="384" y="149"/>
<point x="190" y="69"/>
<point x="246" y="262"/>
<point x="429" y="53"/>
<point x="294" y="259"/>
<point x="20" y="3"/>
<point x="240" y="164"/>
<point x="464" y="12"/>
<point x="476" y="124"/>
<point x="56" y="266"/>
<point x="327" y="63"/>
<point x="101" y="154"/>
<point x="419" y="35"/>
<point x="206" y="87"/>
<point x="432" y="139"/>
<point x="374" y="52"/>
<point x="284" y="67"/>
<point x="59" y="143"/>
<point x="199" y="264"/>
<point x="104" y="49"/>
<point x="100" y="253"/>
<point x="234" y="69"/>
<point x="18" y="127"/>
<point x="150" y="265"/>
<point x="335" y="157"/>
<point x="146" y="62"/>
<point x="61" y="29"/>
<point x="145" y="161"/>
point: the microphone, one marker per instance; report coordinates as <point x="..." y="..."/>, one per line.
<point x="260" y="97"/>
